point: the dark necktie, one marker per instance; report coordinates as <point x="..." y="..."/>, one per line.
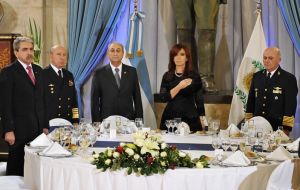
<point x="30" y="74"/>
<point x="117" y="76"/>
<point x="269" y="75"/>
<point x="59" y="74"/>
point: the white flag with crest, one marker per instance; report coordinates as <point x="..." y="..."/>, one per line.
<point x="251" y="62"/>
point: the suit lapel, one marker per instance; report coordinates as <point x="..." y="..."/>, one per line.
<point x="275" y="76"/>
<point x="23" y="73"/>
<point x="124" y="76"/>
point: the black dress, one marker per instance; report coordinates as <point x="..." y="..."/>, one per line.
<point x="188" y="104"/>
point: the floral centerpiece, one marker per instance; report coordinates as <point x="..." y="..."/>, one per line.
<point x="146" y="156"/>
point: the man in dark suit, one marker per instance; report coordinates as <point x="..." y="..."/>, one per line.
<point x="23" y="106"/>
<point x="273" y="93"/>
<point x="115" y="88"/>
<point x="59" y="87"/>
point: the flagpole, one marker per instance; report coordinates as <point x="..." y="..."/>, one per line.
<point x="258" y="7"/>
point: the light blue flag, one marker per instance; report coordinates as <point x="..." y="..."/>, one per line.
<point x="136" y="59"/>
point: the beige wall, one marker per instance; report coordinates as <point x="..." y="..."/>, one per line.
<point x="50" y="16"/>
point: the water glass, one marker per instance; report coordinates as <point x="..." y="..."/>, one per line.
<point x="215" y="126"/>
<point x="234" y="145"/>
<point x="118" y="122"/>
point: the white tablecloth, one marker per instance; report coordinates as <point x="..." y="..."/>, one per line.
<point x="44" y="173"/>
<point x="76" y="173"/>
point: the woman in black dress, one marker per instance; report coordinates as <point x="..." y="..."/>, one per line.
<point x="181" y="87"/>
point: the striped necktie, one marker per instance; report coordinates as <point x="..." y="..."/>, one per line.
<point x="30" y="74"/>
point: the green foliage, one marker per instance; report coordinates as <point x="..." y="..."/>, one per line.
<point x="243" y="97"/>
<point x="146" y="157"/>
<point x="257" y="64"/>
<point x="35" y="33"/>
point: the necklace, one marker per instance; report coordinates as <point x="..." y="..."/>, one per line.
<point x="178" y="75"/>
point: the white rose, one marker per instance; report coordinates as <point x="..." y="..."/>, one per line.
<point x="122" y="144"/>
<point x="163" y="145"/>
<point x="109" y="152"/>
<point x="163" y="163"/>
<point x="108" y="161"/>
<point x="116" y="155"/>
<point x="182" y="154"/>
<point x="96" y="155"/>
<point x="136" y="156"/>
<point x="199" y="165"/>
<point x="163" y="154"/>
<point x="129" y="151"/>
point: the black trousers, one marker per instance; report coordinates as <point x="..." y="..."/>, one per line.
<point x="15" y="162"/>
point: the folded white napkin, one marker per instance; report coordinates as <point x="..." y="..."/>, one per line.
<point x="56" y="150"/>
<point x="233" y="129"/>
<point x="183" y="126"/>
<point x="41" y="140"/>
<point x="282" y="135"/>
<point x="294" y="145"/>
<point x="237" y="159"/>
<point x="279" y="154"/>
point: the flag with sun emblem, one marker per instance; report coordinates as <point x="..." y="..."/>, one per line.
<point x="251" y="63"/>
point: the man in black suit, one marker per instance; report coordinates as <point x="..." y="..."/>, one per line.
<point x="59" y="87"/>
<point x="23" y="106"/>
<point x="273" y="93"/>
<point x="115" y="88"/>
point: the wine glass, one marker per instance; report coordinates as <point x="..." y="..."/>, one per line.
<point x="96" y="126"/>
<point x="216" y="142"/>
<point x="106" y="126"/>
<point x="118" y="122"/>
<point x="225" y="144"/>
<point x="177" y="122"/>
<point x="172" y="125"/>
<point x="168" y="125"/>
<point x="242" y="146"/>
<point x="139" y="123"/>
<point x="84" y="142"/>
<point x="93" y="139"/>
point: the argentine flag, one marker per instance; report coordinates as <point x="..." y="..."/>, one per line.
<point x="135" y="57"/>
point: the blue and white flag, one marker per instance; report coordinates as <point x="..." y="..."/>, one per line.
<point x="135" y="58"/>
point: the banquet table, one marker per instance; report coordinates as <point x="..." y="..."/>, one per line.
<point x="76" y="172"/>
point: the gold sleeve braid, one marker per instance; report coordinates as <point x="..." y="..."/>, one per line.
<point x="288" y="121"/>
<point x="75" y="113"/>
<point x="248" y="116"/>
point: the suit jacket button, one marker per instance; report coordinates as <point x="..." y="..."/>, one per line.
<point x="59" y="98"/>
<point x="69" y="98"/>
<point x="266" y="89"/>
<point x="59" y="106"/>
<point x="264" y="105"/>
<point x="265" y="97"/>
<point x="58" y="114"/>
<point x="263" y="113"/>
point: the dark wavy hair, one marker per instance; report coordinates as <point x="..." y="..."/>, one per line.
<point x="189" y="63"/>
